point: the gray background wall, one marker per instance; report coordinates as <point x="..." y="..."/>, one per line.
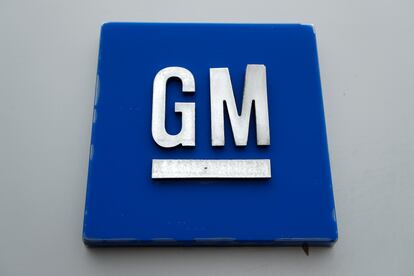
<point x="48" y="57"/>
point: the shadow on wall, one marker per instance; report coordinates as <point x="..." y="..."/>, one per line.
<point x="216" y="257"/>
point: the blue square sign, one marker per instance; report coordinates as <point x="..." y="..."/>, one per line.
<point x="208" y="134"/>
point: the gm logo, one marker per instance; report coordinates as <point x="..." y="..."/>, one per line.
<point x="208" y="134"/>
<point x="221" y="94"/>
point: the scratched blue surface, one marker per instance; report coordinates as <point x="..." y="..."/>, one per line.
<point x="124" y="206"/>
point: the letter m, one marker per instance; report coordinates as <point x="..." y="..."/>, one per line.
<point x="255" y="92"/>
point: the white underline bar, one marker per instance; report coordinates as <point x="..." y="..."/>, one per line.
<point x="211" y="168"/>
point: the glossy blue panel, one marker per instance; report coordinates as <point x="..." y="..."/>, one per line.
<point x="124" y="206"/>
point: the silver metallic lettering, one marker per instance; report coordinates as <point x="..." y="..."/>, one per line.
<point x="186" y="136"/>
<point x="255" y="91"/>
